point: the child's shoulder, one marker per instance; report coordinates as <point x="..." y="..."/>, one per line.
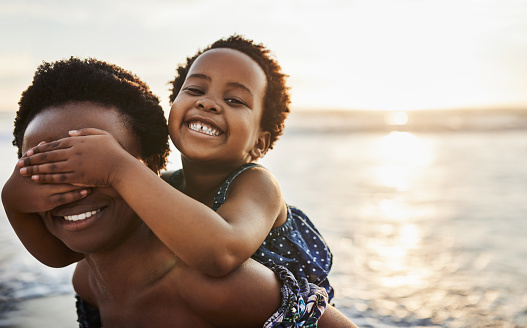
<point x="254" y="174"/>
<point x="253" y="188"/>
<point x="256" y="181"/>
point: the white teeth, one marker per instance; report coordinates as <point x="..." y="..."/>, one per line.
<point x="203" y="128"/>
<point x="82" y="216"/>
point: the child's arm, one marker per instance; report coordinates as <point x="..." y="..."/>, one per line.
<point x="23" y="199"/>
<point x="214" y="243"/>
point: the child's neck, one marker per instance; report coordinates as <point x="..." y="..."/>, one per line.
<point x="202" y="181"/>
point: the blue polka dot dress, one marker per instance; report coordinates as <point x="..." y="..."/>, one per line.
<point x="299" y="247"/>
<point x="297" y="244"/>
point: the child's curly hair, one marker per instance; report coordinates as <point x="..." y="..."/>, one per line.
<point x="73" y="79"/>
<point x="276" y="99"/>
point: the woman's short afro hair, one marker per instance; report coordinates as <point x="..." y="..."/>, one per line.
<point x="75" y="80"/>
<point x="276" y="100"/>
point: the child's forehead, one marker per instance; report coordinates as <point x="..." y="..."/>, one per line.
<point x="230" y="66"/>
<point x="225" y="57"/>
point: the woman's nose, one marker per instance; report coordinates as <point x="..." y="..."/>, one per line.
<point x="208" y="105"/>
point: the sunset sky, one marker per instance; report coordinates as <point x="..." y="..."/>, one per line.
<point x="345" y="54"/>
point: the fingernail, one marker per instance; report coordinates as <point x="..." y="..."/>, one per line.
<point x="20" y="163"/>
<point x="29" y="152"/>
<point x="23" y="170"/>
<point x="34" y="177"/>
<point x="73" y="132"/>
<point x="84" y="192"/>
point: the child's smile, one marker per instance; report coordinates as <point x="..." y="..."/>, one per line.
<point x="205" y="127"/>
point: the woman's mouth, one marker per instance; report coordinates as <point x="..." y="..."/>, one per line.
<point x="78" y="219"/>
<point x="81" y="216"/>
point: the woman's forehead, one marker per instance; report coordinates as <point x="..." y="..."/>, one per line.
<point x="55" y="122"/>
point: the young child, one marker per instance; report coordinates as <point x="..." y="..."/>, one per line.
<point x="229" y="105"/>
<point x="125" y="276"/>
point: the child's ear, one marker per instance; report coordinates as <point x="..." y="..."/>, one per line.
<point x="262" y="145"/>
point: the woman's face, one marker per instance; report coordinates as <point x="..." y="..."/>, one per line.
<point x="106" y="219"/>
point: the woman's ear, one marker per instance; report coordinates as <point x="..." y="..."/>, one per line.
<point x="261" y="146"/>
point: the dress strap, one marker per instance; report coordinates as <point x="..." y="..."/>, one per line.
<point x="222" y="193"/>
<point x="175" y="178"/>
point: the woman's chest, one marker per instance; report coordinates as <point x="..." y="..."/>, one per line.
<point x="161" y="308"/>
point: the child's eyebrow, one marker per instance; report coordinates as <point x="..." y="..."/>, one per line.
<point x="232" y="84"/>
<point x="199" y="76"/>
<point x="241" y="86"/>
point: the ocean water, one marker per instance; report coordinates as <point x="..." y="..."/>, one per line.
<point x="425" y="215"/>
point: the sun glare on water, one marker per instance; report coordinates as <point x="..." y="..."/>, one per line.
<point x="405" y="159"/>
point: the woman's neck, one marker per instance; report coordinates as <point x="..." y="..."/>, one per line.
<point x="132" y="266"/>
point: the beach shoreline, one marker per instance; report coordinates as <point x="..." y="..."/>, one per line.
<point x="56" y="311"/>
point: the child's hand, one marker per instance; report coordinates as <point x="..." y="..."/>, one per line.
<point x="88" y="158"/>
<point x="25" y="196"/>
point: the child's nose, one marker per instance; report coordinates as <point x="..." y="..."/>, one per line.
<point x="208" y="105"/>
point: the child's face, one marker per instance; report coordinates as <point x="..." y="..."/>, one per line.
<point x="216" y="115"/>
<point x="112" y="218"/>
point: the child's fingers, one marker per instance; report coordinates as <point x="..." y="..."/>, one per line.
<point x="58" y="167"/>
<point x="86" y="132"/>
<point x="43" y="158"/>
<point x="53" y="178"/>
<point x="30" y="151"/>
<point x="43" y="146"/>
<point x="68" y="197"/>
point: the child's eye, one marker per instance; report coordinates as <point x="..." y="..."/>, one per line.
<point x="235" y="102"/>
<point x="193" y="90"/>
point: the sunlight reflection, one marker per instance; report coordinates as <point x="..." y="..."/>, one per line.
<point x="404" y="155"/>
<point x="396" y="243"/>
<point x="407" y="148"/>
<point x="393" y="209"/>
<point x="394" y="257"/>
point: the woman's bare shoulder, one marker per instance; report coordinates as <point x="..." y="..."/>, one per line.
<point x="81" y="282"/>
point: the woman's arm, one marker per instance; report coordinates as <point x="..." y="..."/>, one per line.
<point x="22" y="199"/>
